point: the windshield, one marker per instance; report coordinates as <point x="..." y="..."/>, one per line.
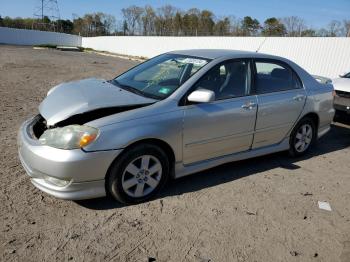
<point x="159" y="77"/>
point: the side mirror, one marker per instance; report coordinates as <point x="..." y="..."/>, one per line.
<point x="201" y="96"/>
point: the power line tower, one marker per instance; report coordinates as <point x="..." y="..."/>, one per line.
<point x="46" y="14"/>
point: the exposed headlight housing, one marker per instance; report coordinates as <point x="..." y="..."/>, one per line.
<point x="69" y="137"/>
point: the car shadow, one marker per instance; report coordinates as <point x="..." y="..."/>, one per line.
<point x="336" y="139"/>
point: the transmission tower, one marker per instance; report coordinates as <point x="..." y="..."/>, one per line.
<point x="46" y="14"/>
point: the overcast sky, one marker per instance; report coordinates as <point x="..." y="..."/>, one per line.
<point x="317" y="13"/>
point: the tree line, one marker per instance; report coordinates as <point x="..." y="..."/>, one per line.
<point x="171" y="21"/>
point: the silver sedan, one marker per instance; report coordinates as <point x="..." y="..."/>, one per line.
<point x="173" y="115"/>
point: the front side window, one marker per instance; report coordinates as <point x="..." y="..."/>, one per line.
<point x="227" y="80"/>
<point x="159" y="77"/>
<point x="274" y="77"/>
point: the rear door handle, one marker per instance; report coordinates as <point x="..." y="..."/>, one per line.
<point x="249" y="105"/>
<point x="299" y="97"/>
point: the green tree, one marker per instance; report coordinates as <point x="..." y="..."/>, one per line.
<point x="206" y="23"/>
<point x="191" y="22"/>
<point x="66" y="26"/>
<point x="273" y="27"/>
<point x="250" y="26"/>
<point x="177" y="24"/>
<point x="125" y="27"/>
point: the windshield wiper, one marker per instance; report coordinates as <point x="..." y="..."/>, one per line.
<point x="134" y="90"/>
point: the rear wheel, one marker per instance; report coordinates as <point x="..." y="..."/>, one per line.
<point x="138" y="174"/>
<point x="303" y="137"/>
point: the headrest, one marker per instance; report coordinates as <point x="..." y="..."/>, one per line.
<point x="280" y="73"/>
<point x="235" y="68"/>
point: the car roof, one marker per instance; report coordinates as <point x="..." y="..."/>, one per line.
<point x="218" y="53"/>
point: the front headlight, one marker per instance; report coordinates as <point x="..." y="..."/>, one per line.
<point x="69" y="137"/>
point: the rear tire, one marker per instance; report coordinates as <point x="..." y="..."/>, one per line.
<point x="302" y="137"/>
<point x="138" y="174"/>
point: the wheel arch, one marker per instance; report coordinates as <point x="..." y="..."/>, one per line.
<point x="153" y="141"/>
<point x="314" y="116"/>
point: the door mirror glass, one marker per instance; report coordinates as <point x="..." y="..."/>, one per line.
<point x="201" y="96"/>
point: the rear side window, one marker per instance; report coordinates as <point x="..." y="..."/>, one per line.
<point x="274" y="77"/>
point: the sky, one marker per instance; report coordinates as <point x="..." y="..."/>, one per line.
<point x="316" y="13"/>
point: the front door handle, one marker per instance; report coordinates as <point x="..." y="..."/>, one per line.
<point x="249" y="105"/>
<point x="299" y="97"/>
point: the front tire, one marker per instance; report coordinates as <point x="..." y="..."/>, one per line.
<point x="138" y="174"/>
<point x="303" y="137"/>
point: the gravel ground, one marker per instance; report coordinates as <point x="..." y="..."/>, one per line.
<point x="263" y="209"/>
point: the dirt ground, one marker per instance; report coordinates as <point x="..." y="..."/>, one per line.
<point x="263" y="209"/>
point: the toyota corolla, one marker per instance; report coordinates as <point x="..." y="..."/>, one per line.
<point x="173" y="115"/>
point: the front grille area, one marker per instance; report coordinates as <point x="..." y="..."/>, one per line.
<point x="343" y="94"/>
<point x="39" y="126"/>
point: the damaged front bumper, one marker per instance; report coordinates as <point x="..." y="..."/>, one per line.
<point x="66" y="174"/>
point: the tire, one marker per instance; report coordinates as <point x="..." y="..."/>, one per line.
<point x="302" y="137"/>
<point x="138" y="174"/>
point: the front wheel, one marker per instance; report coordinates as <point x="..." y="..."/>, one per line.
<point x="303" y="137"/>
<point x="138" y="174"/>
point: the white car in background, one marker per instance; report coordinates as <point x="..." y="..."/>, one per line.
<point x="342" y="93"/>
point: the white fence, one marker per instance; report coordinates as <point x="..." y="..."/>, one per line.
<point x="321" y="56"/>
<point x="33" y="37"/>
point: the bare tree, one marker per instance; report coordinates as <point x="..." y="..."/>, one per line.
<point x="164" y="21"/>
<point x="294" y="25"/>
<point x="346" y="28"/>
<point x="108" y="22"/>
<point x="132" y="15"/>
<point x="334" y="28"/>
<point x="148" y="20"/>
<point x="235" y="26"/>
<point x="222" y="27"/>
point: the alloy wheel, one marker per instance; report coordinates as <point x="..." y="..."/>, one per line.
<point x="142" y="176"/>
<point x="303" y="138"/>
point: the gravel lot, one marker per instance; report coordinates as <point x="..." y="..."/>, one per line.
<point x="263" y="209"/>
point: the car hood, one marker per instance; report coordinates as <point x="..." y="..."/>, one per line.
<point x="341" y="84"/>
<point x="78" y="97"/>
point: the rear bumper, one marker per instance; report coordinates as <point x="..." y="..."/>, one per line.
<point x="65" y="174"/>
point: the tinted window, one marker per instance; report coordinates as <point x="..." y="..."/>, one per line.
<point x="274" y="77"/>
<point x="227" y="80"/>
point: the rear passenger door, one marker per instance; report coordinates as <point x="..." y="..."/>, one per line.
<point x="281" y="98"/>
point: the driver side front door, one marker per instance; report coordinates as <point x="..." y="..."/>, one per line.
<point x="226" y="125"/>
